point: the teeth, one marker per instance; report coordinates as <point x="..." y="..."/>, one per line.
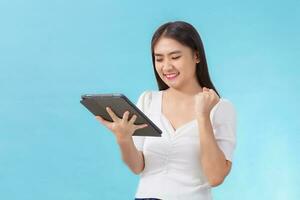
<point x="171" y="75"/>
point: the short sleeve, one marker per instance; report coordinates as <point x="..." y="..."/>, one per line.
<point x="143" y="105"/>
<point x="224" y="126"/>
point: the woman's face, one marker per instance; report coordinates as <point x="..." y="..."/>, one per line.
<point x="175" y="63"/>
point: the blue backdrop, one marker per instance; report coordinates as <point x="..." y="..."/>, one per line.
<point x="53" y="51"/>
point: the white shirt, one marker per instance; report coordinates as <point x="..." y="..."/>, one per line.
<point x="172" y="162"/>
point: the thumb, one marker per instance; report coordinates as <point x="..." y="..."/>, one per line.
<point x="140" y="126"/>
<point x="205" y="89"/>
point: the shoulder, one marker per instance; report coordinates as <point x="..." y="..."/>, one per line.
<point x="145" y="98"/>
<point x="223" y="111"/>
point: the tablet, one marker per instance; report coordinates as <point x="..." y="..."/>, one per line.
<point x="119" y="103"/>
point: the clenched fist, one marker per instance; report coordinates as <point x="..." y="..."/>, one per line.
<point x="205" y="101"/>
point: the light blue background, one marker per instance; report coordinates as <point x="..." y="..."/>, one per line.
<point x="51" y="52"/>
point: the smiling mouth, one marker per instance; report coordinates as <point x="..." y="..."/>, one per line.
<point x="171" y="76"/>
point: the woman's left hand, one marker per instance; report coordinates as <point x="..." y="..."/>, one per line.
<point x="205" y="101"/>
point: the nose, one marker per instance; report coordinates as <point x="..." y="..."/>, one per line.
<point x="167" y="64"/>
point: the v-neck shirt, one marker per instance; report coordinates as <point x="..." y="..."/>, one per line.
<point x="174" y="130"/>
<point x="172" y="162"/>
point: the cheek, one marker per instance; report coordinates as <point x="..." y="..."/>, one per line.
<point x="186" y="68"/>
<point x="180" y="65"/>
<point x="159" y="66"/>
<point x="158" y="69"/>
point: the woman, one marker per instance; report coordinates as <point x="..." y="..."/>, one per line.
<point x="198" y="139"/>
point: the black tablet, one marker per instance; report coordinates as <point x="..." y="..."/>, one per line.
<point x="119" y="103"/>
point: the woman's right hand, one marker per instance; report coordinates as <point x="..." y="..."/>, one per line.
<point x="123" y="129"/>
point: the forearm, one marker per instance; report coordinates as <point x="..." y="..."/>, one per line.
<point x="133" y="158"/>
<point x="212" y="158"/>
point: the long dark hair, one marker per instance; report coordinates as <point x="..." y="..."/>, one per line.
<point x="187" y="35"/>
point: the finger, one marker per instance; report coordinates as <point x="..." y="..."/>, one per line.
<point x="114" y="117"/>
<point x="205" y="89"/>
<point x="213" y="93"/>
<point x="133" y="118"/>
<point x="125" y="116"/>
<point x="141" y="126"/>
<point x="206" y="94"/>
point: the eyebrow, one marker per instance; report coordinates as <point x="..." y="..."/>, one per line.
<point x="173" y="52"/>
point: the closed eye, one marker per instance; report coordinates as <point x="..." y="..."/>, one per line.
<point x="176" y="57"/>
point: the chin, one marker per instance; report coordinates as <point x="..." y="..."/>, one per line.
<point x="174" y="85"/>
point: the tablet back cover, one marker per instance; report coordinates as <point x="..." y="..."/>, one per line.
<point x="119" y="103"/>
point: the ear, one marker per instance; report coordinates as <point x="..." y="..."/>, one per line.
<point x="196" y="57"/>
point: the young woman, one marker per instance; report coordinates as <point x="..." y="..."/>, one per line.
<point x="199" y="128"/>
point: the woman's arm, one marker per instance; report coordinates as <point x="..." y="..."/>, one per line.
<point x="213" y="161"/>
<point x="123" y="129"/>
<point x="133" y="158"/>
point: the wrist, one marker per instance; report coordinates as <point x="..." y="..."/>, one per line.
<point x="123" y="140"/>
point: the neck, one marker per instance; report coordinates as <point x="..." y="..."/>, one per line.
<point x="183" y="93"/>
